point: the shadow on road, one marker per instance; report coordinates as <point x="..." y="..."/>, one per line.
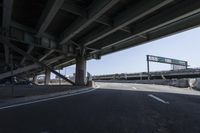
<point x="107" y="111"/>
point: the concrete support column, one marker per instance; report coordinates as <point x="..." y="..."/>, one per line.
<point x="47" y="77"/>
<point x="80" y="78"/>
<point x="35" y="79"/>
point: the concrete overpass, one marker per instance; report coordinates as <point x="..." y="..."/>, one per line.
<point x="40" y="36"/>
<point x="172" y="74"/>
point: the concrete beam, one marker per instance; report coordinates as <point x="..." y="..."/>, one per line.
<point x="115" y="37"/>
<point x="77" y="10"/>
<point x="60" y="65"/>
<point x="174" y="14"/>
<point x="29" y="67"/>
<point x="30" y="30"/>
<point x="156" y="27"/>
<point x="20" y="51"/>
<point x="18" y="71"/>
<point x="28" y="51"/>
<point x="66" y="63"/>
<point x="48" y="15"/>
<point x="26" y="36"/>
<point x="127" y="17"/>
<point x="176" y="27"/>
<point x="55" y="59"/>
<point x="7" y="14"/>
<point x="46" y="55"/>
<point x="98" y="8"/>
<point x="6" y="54"/>
<point x="74" y="9"/>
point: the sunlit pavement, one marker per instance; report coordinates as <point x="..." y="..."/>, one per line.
<point x="112" y="108"/>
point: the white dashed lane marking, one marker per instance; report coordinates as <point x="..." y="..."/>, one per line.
<point x="158" y="99"/>
<point x="46" y="99"/>
<point x="134" y="88"/>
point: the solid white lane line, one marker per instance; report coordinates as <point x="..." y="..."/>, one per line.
<point x="123" y="85"/>
<point x="134" y="88"/>
<point x="44" y="132"/>
<point x="45" y="99"/>
<point x="158" y="99"/>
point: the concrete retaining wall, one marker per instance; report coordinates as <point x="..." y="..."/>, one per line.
<point x="177" y="83"/>
<point x="194" y="83"/>
<point x="27" y="90"/>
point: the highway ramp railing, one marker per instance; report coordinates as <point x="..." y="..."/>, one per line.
<point x="177" y="83"/>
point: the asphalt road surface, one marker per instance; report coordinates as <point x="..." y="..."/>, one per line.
<point x="113" y="108"/>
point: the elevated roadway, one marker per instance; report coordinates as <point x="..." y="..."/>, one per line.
<point x="172" y="74"/>
<point x="44" y="35"/>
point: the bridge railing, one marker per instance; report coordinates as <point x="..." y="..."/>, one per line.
<point x="144" y="74"/>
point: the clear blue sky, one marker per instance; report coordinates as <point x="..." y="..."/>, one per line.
<point x="183" y="46"/>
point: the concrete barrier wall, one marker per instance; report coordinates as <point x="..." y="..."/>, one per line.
<point x="194" y="83"/>
<point x="27" y="90"/>
<point x="176" y="83"/>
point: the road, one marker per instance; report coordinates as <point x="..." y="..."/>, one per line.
<point x="112" y="108"/>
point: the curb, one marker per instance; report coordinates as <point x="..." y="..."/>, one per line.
<point x="42" y="98"/>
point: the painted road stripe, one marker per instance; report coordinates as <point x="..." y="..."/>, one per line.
<point x="134" y="88"/>
<point x="158" y="99"/>
<point x="45" y="99"/>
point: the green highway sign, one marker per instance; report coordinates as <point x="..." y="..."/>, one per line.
<point x="166" y="60"/>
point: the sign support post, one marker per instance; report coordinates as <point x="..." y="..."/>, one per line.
<point x="148" y="67"/>
<point x="159" y="59"/>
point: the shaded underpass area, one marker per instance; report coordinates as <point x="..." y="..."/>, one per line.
<point x="41" y="37"/>
<point x="112" y="108"/>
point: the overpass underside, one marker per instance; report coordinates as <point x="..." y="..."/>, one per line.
<point x="40" y="36"/>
